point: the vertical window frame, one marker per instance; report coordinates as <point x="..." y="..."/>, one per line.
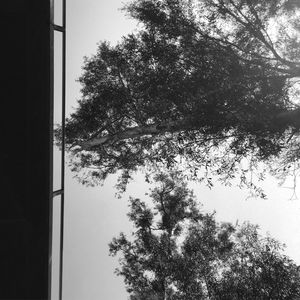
<point x="62" y="29"/>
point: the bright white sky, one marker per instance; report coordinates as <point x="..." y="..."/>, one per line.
<point x="93" y="216"/>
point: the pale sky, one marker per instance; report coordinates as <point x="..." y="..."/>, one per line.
<point x="93" y="216"/>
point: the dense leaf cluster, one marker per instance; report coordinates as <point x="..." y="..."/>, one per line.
<point x="178" y="252"/>
<point x="209" y="81"/>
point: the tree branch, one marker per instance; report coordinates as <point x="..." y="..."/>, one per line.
<point x="291" y="118"/>
<point x="134" y="132"/>
<point x="257" y="33"/>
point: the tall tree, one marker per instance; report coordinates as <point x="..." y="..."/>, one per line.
<point x="209" y="82"/>
<point x="177" y="252"/>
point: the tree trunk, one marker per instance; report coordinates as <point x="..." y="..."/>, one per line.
<point x="133" y="132"/>
<point x="287" y="118"/>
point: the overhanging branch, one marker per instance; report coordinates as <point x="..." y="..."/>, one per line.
<point x="134" y="132"/>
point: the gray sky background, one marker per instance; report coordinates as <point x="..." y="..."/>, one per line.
<point x="93" y="216"/>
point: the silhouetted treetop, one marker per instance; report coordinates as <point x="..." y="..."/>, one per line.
<point x="206" y="82"/>
<point x="178" y="252"/>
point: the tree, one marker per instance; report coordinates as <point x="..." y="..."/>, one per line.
<point x="206" y="82"/>
<point x="257" y="269"/>
<point x="177" y="252"/>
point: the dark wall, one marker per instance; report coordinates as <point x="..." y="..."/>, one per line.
<point x="25" y="152"/>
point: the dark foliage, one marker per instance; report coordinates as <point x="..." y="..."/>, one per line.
<point x="209" y="82"/>
<point x="178" y="252"/>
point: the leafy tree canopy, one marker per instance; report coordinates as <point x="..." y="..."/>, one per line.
<point x="204" y="82"/>
<point x="178" y="252"/>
